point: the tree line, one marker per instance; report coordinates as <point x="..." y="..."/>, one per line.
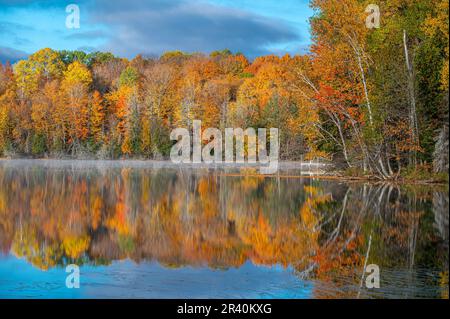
<point x="375" y="100"/>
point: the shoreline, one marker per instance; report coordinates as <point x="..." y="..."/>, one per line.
<point x="319" y="170"/>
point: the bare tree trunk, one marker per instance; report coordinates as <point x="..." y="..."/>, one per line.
<point x="412" y="99"/>
<point x="391" y="172"/>
<point x="359" y="52"/>
<point x="383" y="169"/>
<point x="344" y="145"/>
<point x="366" y="92"/>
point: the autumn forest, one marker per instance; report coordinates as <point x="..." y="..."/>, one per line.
<point x="372" y="100"/>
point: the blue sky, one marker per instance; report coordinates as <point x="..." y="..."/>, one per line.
<point x="132" y="27"/>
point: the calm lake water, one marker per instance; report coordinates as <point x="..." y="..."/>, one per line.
<point x="140" y="230"/>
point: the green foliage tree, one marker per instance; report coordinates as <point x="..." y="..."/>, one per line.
<point x="375" y="99"/>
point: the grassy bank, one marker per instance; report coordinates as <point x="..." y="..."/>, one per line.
<point x="421" y="174"/>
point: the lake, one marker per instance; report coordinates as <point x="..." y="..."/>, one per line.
<point x="149" y="230"/>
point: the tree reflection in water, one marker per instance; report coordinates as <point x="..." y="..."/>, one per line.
<point x="321" y="229"/>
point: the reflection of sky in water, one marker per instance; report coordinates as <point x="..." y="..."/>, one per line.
<point x="19" y="279"/>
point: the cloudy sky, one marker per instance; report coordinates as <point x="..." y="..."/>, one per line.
<point x="131" y="27"/>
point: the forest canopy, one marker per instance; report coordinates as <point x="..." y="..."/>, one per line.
<point x="373" y="99"/>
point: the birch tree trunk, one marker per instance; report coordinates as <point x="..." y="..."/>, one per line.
<point x="412" y="99"/>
